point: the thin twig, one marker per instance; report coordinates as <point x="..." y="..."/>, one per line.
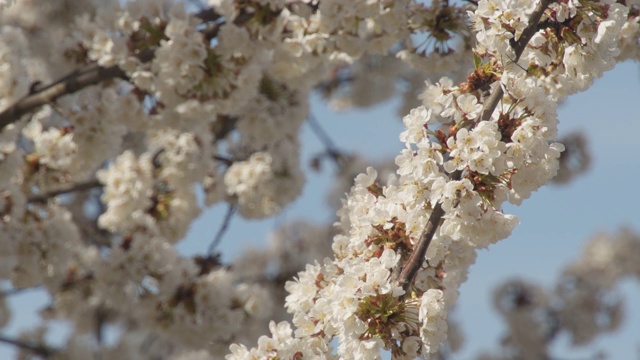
<point x="212" y="31"/>
<point x="223" y="228"/>
<point x="38" y="349"/>
<point x="223" y="159"/>
<point x="16" y="291"/>
<point x="411" y="268"/>
<point x="76" y="187"/>
<point x="101" y="317"/>
<point x="198" y="4"/>
<point x="330" y="147"/>
<point x="320" y="133"/>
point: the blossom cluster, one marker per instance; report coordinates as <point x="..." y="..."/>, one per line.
<point x="580" y="40"/>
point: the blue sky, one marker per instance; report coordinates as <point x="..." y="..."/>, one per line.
<point x="555" y="221"/>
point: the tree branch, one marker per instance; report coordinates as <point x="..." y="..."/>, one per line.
<point x="518" y="47"/>
<point x="38" y="349"/>
<point x="76" y="187"/>
<point x="223" y="159"/>
<point x="411" y="268"/>
<point x="223" y="228"/>
<point x="331" y="149"/>
<point x="78" y="80"/>
<point x="16" y="291"/>
<point x="93" y="74"/>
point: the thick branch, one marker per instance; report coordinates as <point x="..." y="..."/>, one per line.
<point x="411" y="268"/>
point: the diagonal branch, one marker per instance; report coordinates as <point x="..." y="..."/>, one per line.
<point x="38" y="349"/>
<point x="93" y="73"/>
<point x="411" y="268"/>
<point x="223" y="228"/>
<point x="77" y="80"/>
<point x="76" y="187"/>
<point x="331" y="150"/>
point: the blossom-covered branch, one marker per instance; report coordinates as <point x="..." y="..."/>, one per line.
<point x="90" y="75"/>
<point x="415" y="261"/>
<point x="457" y="179"/>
